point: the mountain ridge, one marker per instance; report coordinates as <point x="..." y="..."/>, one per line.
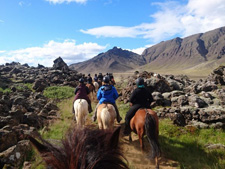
<point x="178" y="54"/>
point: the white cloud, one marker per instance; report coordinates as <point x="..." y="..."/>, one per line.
<point x="21" y="3"/>
<point x="68" y="50"/>
<point x="140" y="50"/>
<point x="112" y="31"/>
<point x="66" y="1"/>
<point x="173" y="19"/>
<point x="1" y="21"/>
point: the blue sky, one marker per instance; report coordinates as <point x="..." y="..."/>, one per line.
<point x="39" y="31"/>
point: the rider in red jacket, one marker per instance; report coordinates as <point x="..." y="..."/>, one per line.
<point x="81" y="92"/>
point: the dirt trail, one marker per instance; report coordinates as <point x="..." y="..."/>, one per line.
<point x="138" y="159"/>
<point x="135" y="157"/>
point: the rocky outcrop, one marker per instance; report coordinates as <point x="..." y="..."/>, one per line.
<point x="23" y="111"/>
<point x="40" y="76"/>
<point x="59" y="64"/>
<point x="185" y="101"/>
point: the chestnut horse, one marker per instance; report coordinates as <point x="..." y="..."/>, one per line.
<point x="145" y="121"/>
<point x="106" y="115"/>
<point x="91" y="89"/>
<point x="81" y="111"/>
<point x="83" y="148"/>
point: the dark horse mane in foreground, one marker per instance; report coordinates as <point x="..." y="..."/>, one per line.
<point x="84" y="149"/>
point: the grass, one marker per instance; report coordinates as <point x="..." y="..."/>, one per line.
<point x="56" y="130"/>
<point x="59" y="92"/>
<point x="185" y="147"/>
<point x="7" y="90"/>
<point x="188" y="148"/>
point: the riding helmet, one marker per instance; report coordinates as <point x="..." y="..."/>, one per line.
<point x="139" y="81"/>
<point x="81" y="80"/>
<point x="106" y="79"/>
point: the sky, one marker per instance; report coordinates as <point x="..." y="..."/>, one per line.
<point x="39" y="31"/>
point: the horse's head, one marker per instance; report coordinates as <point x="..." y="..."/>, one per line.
<point x="84" y="148"/>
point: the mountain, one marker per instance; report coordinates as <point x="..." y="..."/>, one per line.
<point x="114" y="60"/>
<point x="198" y="52"/>
<point x="194" y="55"/>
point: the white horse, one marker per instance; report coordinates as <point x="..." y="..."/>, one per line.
<point x="106" y="115"/>
<point x="81" y="111"/>
<point x="96" y="86"/>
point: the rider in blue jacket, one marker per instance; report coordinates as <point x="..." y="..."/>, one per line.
<point x="107" y="94"/>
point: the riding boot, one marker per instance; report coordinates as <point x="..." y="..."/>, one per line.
<point x="118" y="118"/>
<point x="73" y="111"/>
<point x="89" y="108"/>
<point x="94" y="117"/>
<point x="93" y="87"/>
<point x="127" y="130"/>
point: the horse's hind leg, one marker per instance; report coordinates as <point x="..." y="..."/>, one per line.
<point x="100" y="125"/>
<point x="130" y="138"/>
<point x="140" y="136"/>
<point x="156" y="163"/>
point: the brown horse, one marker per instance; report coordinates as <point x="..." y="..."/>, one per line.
<point x="91" y="89"/>
<point x="145" y="121"/>
<point x="106" y="115"/>
<point x="84" y="148"/>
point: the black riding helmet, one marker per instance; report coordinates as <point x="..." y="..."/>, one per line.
<point x="106" y="79"/>
<point x="81" y="80"/>
<point x="139" y="81"/>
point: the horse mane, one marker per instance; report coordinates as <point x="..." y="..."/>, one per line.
<point x="84" y="148"/>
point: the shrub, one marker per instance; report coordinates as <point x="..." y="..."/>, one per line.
<point x="7" y="90"/>
<point x="59" y="92"/>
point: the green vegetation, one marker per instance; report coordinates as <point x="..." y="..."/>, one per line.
<point x="56" y="131"/>
<point x="59" y="92"/>
<point x="24" y="86"/>
<point x="188" y="147"/>
<point x="7" y="90"/>
<point x="185" y="146"/>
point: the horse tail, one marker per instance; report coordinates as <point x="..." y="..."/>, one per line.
<point x="152" y="135"/>
<point x="82" y="109"/>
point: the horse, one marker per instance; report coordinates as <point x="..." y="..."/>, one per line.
<point x="83" y="148"/>
<point x="145" y="121"/>
<point x="91" y="89"/>
<point x="81" y="111"/>
<point x="106" y="115"/>
<point x="96" y="86"/>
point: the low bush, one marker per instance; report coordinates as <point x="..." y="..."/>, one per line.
<point x="59" y="92"/>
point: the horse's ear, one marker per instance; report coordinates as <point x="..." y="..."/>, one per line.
<point x="40" y="147"/>
<point x="115" y="138"/>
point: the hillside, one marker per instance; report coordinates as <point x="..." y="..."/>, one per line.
<point x="194" y="55"/>
<point x="114" y="60"/>
<point x="199" y="53"/>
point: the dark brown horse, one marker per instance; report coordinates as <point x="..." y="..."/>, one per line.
<point x="84" y="149"/>
<point x="145" y="121"/>
<point x="91" y="88"/>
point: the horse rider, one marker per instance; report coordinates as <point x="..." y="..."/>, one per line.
<point x="85" y="78"/>
<point x="100" y="78"/>
<point x="96" y="78"/>
<point x="112" y="81"/>
<point x="107" y="94"/>
<point x="90" y="81"/>
<point x="140" y="98"/>
<point x="81" y="92"/>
